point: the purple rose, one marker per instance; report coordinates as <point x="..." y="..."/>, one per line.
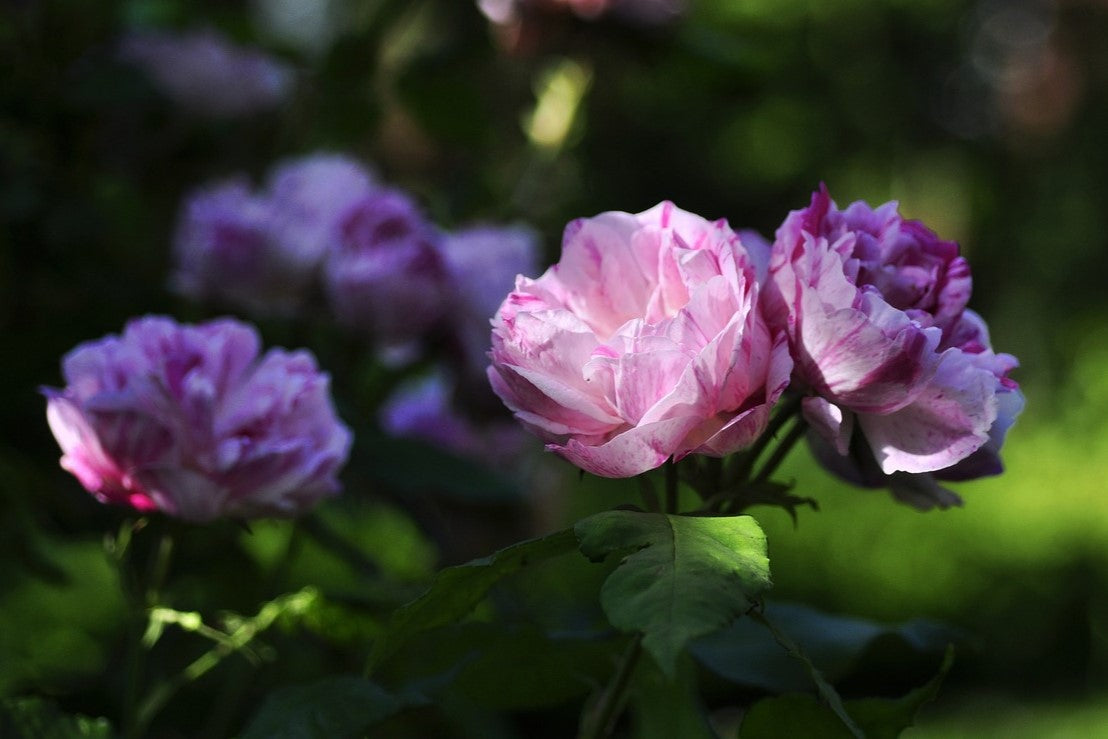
<point x="227" y="247"/>
<point x="645" y="341"/>
<point x="482" y="263"/>
<point x="205" y="73"/>
<point x="311" y="195"/>
<point x="641" y="11"/>
<point x="875" y="310"/>
<point x="424" y="410"/>
<point x="189" y="420"/>
<point x="384" y="274"/>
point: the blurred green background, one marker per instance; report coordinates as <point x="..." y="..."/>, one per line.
<point x="988" y="120"/>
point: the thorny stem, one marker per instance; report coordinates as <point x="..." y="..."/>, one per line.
<point x="600" y="721"/>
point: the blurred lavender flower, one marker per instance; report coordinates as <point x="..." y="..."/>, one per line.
<point x="189" y="420"/>
<point x="506" y="12"/>
<point x="205" y="73"/>
<point x="423" y="409"/>
<point x="310" y="195"/>
<point x="263" y="251"/>
<point x="226" y="248"/>
<point x="384" y="275"/>
<point x="483" y="262"/>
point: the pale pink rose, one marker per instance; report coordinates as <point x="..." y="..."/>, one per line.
<point x="875" y="310"/>
<point x="190" y="421"/>
<point x="644" y="342"/>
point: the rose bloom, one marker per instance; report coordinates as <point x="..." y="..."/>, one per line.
<point x="262" y="251"/>
<point x="424" y="409"/>
<point x="384" y="275"/>
<point x="310" y="195"/>
<point x="875" y="311"/>
<point x="190" y="421"/>
<point x="645" y="341"/>
<point x="482" y="263"/>
<point x="226" y="248"/>
<point x="202" y="71"/>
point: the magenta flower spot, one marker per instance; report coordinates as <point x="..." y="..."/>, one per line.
<point x="190" y="421"/>
<point x="645" y="341"/>
<point x="875" y="311"/>
<point x="203" y="72"/>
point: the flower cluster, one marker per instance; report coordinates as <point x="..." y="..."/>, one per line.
<point x="189" y="420"/>
<point x="206" y="74"/>
<point x="660" y="335"/>
<point x="323" y="223"/>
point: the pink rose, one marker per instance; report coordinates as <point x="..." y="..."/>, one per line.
<point x="875" y="310"/>
<point x="188" y="420"/>
<point x="645" y="341"/>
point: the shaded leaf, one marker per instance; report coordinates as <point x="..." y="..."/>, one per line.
<point x="664" y="708"/>
<point x="508" y="667"/>
<point x="414" y="467"/>
<point x="745" y="653"/>
<point x="456" y="590"/>
<point x="338" y="707"/>
<point x="686" y="576"/>
<point x="41" y="719"/>
<point x="803" y="715"/>
<point x="795" y="714"/>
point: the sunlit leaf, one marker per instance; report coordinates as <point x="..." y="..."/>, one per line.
<point x="685" y="576"/>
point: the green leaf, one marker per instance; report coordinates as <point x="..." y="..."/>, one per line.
<point x="795" y="714"/>
<point x="507" y="667"/>
<point x="413" y="467"/>
<point x="664" y="708"/>
<point x="686" y="576"/>
<point x="52" y="632"/>
<point x="35" y="717"/>
<point x="842" y="646"/>
<point x="883" y="718"/>
<point x="456" y="590"/>
<point x="802" y="715"/>
<point x="338" y="707"/>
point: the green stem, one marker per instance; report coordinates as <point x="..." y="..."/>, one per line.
<point x="826" y="690"/>
<point x="796" y="433"/>
<point x="789" y="407"/>
<point x="600" y="721"/>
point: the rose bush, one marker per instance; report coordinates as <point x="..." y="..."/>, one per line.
<point x="874" y="307"/>
<point x="644" y="341"/>
<point x="189" y="420"/>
